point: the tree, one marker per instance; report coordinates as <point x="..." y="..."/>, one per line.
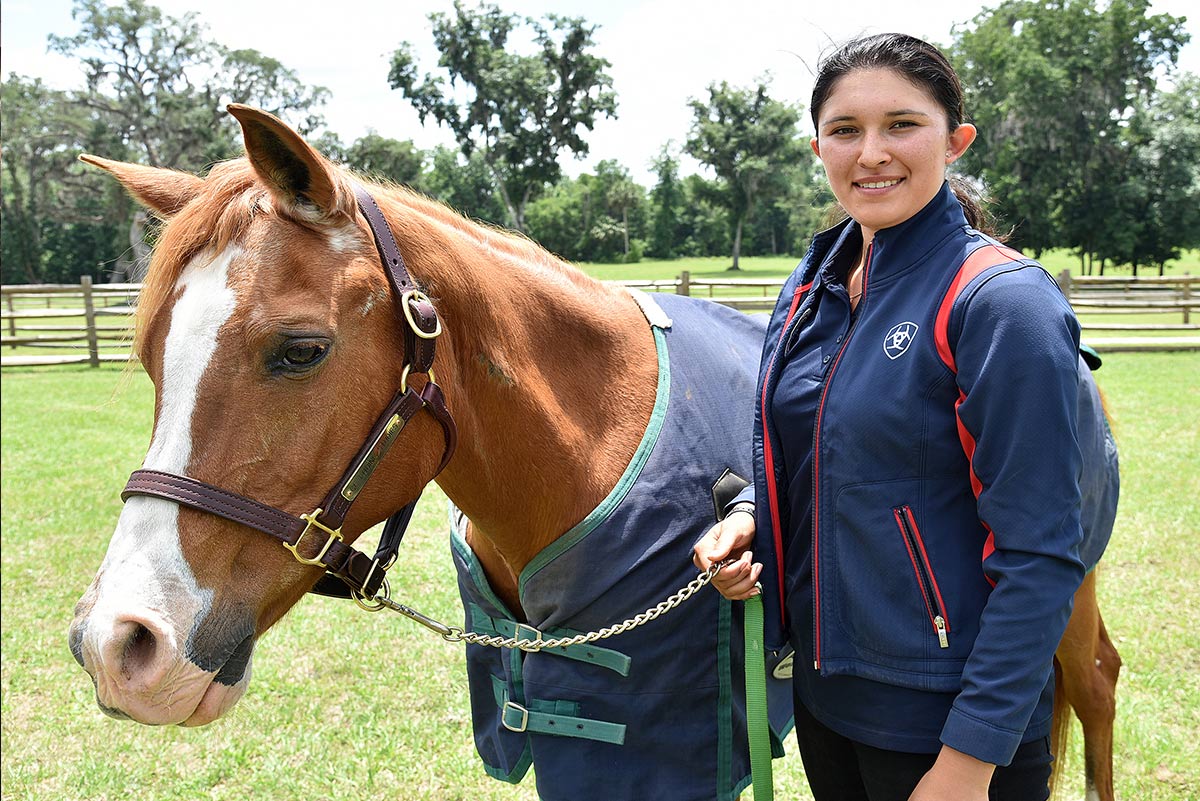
<point x="56" y="216"/>
<point x="378" y="156"/>
<point x="704" y="222"/>
<point x="666" y="200"/>
<point x="1054" y="88"/>
<point x="521" y="111"/>
<point x="591" y="218"/>
<point x="161" y="88"/>
<point x="466" y="184"/>
<point x="1167" y="175"/>
<point x="746" y="137"/>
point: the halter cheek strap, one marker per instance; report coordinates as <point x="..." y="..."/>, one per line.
<point x="315" y="538"/>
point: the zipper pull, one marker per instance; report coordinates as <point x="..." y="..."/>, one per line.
<point x="939" y="623"/>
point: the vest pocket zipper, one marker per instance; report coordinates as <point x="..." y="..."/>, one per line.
<point x="924" y="573"/>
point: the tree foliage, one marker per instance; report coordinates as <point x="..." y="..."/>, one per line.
<point x="1056" y="90"/>
<point x="380" y="157"/>
<point x="155" y="92"/>
<point x="59" y="221"/>
<point x="519" y="111"/>
<point x="599" y="218"/>
<point x="748" y="139"/>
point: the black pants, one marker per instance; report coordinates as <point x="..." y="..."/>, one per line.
<point x="839" y="769"/>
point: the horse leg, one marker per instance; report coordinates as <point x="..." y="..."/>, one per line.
<point x="1090" y="665"/>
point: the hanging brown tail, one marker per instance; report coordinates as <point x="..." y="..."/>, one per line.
<point x="1060" y="730"/>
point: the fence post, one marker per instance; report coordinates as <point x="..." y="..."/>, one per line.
<point x="1064" y="283"/>
<point x="1187" y="297"/>
<point x="12" y="321"/>
<point x="89" y="314"/>
<point x="685" y="283"/>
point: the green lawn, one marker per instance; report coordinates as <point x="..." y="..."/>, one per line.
<point x="781" y="266"/>
<point x="347" y="704"/>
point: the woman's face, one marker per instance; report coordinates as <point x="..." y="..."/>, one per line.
<point x="885" y="143"/>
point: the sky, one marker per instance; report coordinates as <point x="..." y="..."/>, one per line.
<point x="663" y="53"/>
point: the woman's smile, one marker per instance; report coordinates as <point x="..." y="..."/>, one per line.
<point x="885" y="143"/>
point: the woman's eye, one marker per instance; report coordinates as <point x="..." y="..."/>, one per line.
<point x="303" y="354"/>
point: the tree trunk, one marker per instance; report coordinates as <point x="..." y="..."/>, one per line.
<point x="138" y="261"/>
<point x="625" y="222"/>
<point x="737" y="244"/>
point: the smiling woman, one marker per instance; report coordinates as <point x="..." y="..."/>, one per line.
<point x="934" y="471"/>
<point x="885" y="143"/>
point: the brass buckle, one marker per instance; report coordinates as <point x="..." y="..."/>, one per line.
<point x="311" y="519"/>
<point x="416" y="294"/>
<point x="524" y="716"/>
<point x="527" y="634"/>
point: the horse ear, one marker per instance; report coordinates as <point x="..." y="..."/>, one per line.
<point x="162" y="191"/>
<point x="292" y="170"/>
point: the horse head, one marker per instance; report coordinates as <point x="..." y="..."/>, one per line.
<point x="271" y="335"/>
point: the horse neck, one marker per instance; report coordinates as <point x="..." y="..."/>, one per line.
<point x="550" y="375"/>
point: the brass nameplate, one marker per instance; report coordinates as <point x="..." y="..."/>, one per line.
<point x="374" y="456"/>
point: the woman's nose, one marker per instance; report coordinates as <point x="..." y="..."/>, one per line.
<point x="874" y="151"/>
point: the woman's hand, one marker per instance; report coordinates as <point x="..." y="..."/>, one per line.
<point x="955" y="776"/>
<point x="730" y="539"/>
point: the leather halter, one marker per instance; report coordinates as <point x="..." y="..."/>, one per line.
<point x="315" y="538"/>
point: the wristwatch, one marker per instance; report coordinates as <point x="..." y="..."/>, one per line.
<point x="744" y="506"/>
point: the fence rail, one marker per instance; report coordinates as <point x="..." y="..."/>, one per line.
<point x="37" y="317"/>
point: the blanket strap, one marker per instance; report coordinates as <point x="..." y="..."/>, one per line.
<point x="556" y="718"/>
<point x="757" y="725"/>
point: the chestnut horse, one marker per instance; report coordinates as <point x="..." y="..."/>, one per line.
<point x="265" y="310"/>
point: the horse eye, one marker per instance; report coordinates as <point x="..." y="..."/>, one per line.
<point x="303" y="354"/>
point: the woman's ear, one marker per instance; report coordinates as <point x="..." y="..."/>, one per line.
<point x="815" y="144"/>
<point x="960" y="139"/>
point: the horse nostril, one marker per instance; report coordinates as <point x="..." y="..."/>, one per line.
<point x="138" y="655"/>
<point x="75" y="639"/>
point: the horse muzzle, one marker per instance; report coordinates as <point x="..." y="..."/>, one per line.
<point x="141" y="672"/>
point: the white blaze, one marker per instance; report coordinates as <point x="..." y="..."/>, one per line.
<point x="144" y="571"/>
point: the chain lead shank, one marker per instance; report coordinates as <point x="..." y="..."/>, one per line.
<point x="456" y="634"/>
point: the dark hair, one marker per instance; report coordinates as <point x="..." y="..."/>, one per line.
<point x="922" y="64"/>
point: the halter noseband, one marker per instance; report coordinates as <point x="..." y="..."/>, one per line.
<point x="315" y="538"/>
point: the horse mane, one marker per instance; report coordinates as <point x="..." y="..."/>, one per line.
<point x="234" y="195"/>
<point x="210" y="221"/>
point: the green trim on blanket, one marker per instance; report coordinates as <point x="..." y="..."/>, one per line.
<point x="518" y="772"/>
<point x="640" y="457"/>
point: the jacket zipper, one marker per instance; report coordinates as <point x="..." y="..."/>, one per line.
<point x="924" y="571"/>
<point x="816" y="578"/>
<point x="768" y="456"/>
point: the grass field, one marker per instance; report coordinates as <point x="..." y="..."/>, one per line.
<point x="347" y="704"/>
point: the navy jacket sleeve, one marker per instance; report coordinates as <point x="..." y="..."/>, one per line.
<point x="1017" y="357"/>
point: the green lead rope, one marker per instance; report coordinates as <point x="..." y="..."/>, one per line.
<point x="756" y="701"/>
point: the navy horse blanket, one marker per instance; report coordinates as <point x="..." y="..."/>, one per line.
<point x="657" y="712"/>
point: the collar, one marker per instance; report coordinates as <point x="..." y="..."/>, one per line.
<point x="902" y="246"/>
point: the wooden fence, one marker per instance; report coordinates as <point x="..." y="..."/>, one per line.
<point x="41" y="321"/>
<point x="90" y="322"/>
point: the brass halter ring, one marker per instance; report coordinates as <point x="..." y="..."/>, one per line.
<point x="373" y="604"/>
<point x="404" y="378"/>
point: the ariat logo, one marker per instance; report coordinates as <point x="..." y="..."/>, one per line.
<point x="899" y="338"/>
